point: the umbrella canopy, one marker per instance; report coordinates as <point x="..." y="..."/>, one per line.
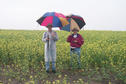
<point x="56" y="19"/>
<point x="75" y="21"/>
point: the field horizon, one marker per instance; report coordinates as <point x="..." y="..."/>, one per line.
<point x="55" y="29"/>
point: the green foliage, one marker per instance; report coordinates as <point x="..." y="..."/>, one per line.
<point x="103" y="54"/>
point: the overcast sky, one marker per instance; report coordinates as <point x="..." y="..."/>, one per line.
<point x="98" y="14"/>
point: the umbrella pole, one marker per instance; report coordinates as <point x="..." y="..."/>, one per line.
<point x="48" y="43"/>
<point x="71" y="32"/>
<point x="48" y="47"/>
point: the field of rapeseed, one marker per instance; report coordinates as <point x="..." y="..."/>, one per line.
<point x="103" y="58"/>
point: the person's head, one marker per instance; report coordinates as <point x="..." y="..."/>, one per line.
<point x="75" y="30"/>
<point x="49" y="26"/>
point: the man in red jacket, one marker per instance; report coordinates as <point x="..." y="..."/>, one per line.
<point x="76" y="41"/>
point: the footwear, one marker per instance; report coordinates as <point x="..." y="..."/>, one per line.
<point x="47" y="71"/>
<point x="79" y="68"/>
<point x="53" y="66"/>
<point x="54" y="71"/>
<point x="47" y="66"/>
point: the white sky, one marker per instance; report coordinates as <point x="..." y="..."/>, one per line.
<point x="98" y="14"/>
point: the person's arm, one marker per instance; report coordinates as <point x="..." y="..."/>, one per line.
<point x="69" y="38"/>
<point x="55" y="37"/>
<point x="44" y="38"/>
<point x="81" y="40"/>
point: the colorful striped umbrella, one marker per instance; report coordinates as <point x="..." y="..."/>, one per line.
<point x="56" y="19"/>
<point x="75" y="21"/>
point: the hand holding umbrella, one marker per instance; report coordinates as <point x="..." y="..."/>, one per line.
<point x="47" y="39"/>
<point x="75" y="41"/>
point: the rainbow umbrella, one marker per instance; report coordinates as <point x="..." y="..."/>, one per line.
<point x="56" y="19"/>
<point x="75" y="21"/>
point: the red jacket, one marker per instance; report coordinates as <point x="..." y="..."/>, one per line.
<point x="79" y="40"/>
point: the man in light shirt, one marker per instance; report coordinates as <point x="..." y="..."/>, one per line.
<point x="50" y="37"/>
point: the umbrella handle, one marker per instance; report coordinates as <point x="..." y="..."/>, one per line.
<point x="71" y="32"/>
<point x="48" y="41"/>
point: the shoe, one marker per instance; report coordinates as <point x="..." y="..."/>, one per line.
<point x="47" y="71"/>
<point x="54" y="71"/>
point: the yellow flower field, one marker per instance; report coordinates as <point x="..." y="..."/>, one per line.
<point x="103" y="58"/>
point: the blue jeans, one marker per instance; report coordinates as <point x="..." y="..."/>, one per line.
<point x="48" y="65"/>
<point x="75" y="51"/>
